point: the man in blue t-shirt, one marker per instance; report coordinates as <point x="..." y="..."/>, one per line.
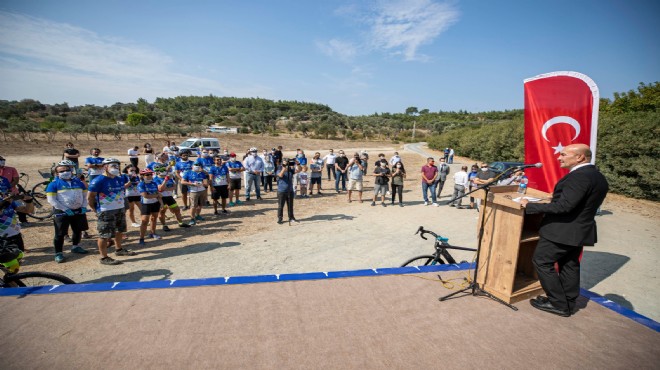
<point x="106" y="198"/>
<point x="197" y="182"/>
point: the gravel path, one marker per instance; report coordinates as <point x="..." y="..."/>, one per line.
<point x="336" y="235"/>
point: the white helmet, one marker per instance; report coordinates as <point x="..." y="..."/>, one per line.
<point x="110" y="160"/>
<point x="66" y="163"/>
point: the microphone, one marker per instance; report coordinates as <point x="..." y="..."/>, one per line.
<point x="537" y="165"/>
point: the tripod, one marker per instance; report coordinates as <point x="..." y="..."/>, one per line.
<point x="474" y="286"/>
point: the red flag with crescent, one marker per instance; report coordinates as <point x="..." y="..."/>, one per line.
<point x="561" y="108"/>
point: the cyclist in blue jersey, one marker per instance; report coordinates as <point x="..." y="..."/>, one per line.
<point x="197" y="181"/>
<point x="94" y="164"/>
<point x="219" y="178"/>
<point x="68" y="196"/>
<point x="10" y="205"/>
<point x="166" y="185"/>
<point x="205" y="160"/>
<point x="131" y="179"/>
<point x="235" y="168"/>
<point x="150" y="204"/>
<point x="106" y="198"/>
<point x="181" y="167"/>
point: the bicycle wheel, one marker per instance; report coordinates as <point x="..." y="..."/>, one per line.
<point x="42" y="209"/>
<point x="427" y="260"/>
<point x="35" y="278"/>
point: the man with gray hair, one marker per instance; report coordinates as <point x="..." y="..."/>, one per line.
<point x="254" y="167"/>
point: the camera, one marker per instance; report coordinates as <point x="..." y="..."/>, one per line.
<point x="291" y="163"/>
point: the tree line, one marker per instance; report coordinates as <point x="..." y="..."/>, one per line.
<point x="627" y="137"/>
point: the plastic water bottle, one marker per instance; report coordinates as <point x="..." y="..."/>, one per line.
<point x="522" y="188"/>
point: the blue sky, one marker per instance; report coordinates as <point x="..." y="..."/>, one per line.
<point x="358" y="57"/>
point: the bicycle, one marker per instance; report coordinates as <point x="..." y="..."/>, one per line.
<point x="10" y="260"/>
<point x="441" y="245"/>
<point x="42" y="209"/>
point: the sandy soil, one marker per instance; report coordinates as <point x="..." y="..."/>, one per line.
<point x="335" y="234"/>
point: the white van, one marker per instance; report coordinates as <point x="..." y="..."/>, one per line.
<point x="195" y="143"/>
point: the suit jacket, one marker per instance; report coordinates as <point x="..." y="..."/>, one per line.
<point x="569" y="217"/>
<point x="443" y="171"/>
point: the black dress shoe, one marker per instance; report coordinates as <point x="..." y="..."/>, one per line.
<point x="541" y="299"/>
<point x="548" y="307"/>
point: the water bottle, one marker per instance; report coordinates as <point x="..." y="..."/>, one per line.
<point x="522" y="188"/>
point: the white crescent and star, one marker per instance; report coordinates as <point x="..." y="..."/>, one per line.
<point x="557" y="120"/>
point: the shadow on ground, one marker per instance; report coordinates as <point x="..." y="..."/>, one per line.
<point x="158" y="274"/>
<point x="598" y="266"/>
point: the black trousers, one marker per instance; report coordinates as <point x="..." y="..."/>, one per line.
<point x="61" y="223"/>
<point x="282" y="198"/>
<point x="331" y="170"/>
<point x="268" y="182"/>
<point x="563" y="287"/>
<point x="397" y="189"/>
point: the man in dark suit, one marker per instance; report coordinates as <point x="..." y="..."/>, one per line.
<point x="568" y="224"/>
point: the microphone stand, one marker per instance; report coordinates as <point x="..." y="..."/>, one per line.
<point x="474" y="287"/>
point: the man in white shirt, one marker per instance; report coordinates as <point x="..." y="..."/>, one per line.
<point x="460" y="184"/>
<point x="329" y="161"/>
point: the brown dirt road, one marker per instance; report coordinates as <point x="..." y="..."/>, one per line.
<point x="336" y="235"/>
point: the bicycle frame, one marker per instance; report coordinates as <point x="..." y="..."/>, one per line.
<point x="441" y="245"/>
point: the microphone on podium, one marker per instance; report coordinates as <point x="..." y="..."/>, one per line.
<point x="537" y="165"/>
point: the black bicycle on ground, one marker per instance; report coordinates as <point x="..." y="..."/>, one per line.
<point x="10" y="261"/>
<point x="42" y="209"/>
<point x="441" y="245"/>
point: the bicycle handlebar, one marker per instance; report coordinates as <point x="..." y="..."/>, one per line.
<point x="422" y="231"/>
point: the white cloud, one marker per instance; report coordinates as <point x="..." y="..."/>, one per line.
<point x="57" y="62"/>
<point x="339" y="49"/>
<point x="401" y="27"/>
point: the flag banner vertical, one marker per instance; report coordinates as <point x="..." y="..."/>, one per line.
<point x="561" y="108"/>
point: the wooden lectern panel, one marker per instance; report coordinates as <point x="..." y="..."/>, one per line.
<point x="507" y="244"/>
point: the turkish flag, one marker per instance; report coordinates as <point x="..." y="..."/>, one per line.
<point x="561" y="108"/>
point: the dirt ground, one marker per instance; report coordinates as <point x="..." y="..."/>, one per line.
<point x="333" y="234"/>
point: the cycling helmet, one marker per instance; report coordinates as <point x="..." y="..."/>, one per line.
<point x="253" y="149"/>
<point x="110" y="160"/>
<point x="65" y="162"/>
<point x="159" y="167"/>
<point x="146" y="171"/>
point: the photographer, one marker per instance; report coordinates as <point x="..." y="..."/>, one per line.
<point x="356" y="168"/>
<point x="10" y="204"/>
<point x="285" y="190"/>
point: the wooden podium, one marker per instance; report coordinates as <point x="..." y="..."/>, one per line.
<point x="508" y="242"/>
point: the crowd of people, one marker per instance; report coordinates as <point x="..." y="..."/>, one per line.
<point x="114" y="191"/>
